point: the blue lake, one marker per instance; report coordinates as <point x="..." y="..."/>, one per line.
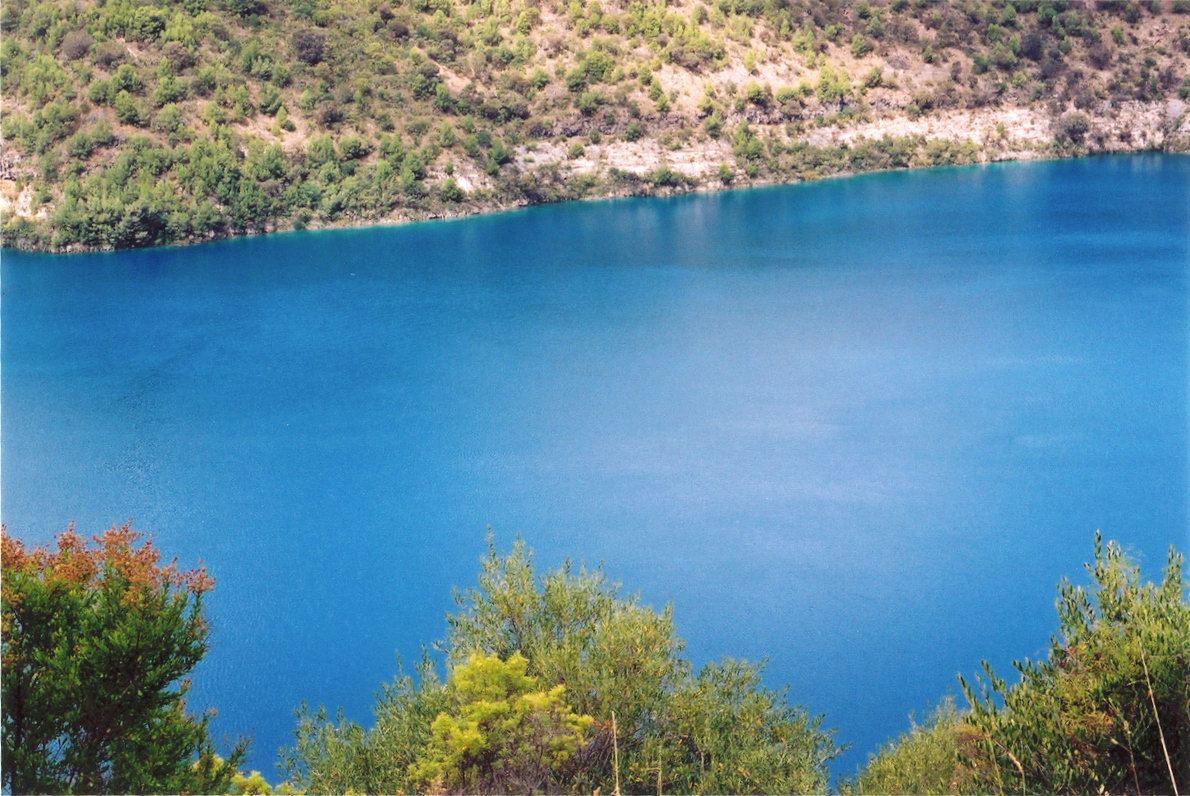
<point x="860" y="427"/>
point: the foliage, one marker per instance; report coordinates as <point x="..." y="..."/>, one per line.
<point x="236" y="75"/>
<point x="502" y="735"/>
<point x="96" y="643"/>
<point x="340" y="756"/>
<point x="611" y="659"/>
<point x="1109" y="709"/>
<point x="612" y="654"/>
<point x="925" y="760"/>
<point x="728" y="733"/>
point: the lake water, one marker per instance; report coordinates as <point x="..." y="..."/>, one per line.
<point x="860" y="427"/>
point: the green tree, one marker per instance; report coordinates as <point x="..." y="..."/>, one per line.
<point x="340" y="756"/>
<point x="96" y="643"/>
<point x="728" y="733"/>
<point x="616" y="656"/>
<point x="1109" y="709"/>
<point x="618" y="661"/>
<point x="613" y="654"/>
<point x="927" y="759"/>
<point x="503" y="734"/>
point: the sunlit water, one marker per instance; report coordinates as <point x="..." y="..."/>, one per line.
<point x="860" y="427"/>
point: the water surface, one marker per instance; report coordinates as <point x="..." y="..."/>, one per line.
<point x="859" y="427"/>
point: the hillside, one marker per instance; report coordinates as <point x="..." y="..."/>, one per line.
<point x="142" y="122"/>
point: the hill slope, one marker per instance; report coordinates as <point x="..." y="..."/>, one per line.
<point x="141" y="122"/>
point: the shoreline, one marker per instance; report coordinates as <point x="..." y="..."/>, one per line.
<point x="637" y="185"/>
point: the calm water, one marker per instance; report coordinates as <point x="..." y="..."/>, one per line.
<point x="860" y="427"/>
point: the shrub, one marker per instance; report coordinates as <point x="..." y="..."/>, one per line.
<point x="1108" y="710"/>
<point x="924" y="760"/>
<point x="127" y="79"/>
<point x="128" y="110"/>
<point x="503" y="733"/>
<point x="308" y="46"/>
<point x="270" y="100"/>
<point x="353" y="148"/>
<point x="756" y="94"/>
<point x="519" y="633"/>
<point x="76" y="44"/>
<point x="109" y="53"/>
<point x="178" y="55"/>
<point x="97" y="641"/>
<point x="1072" y="128"/>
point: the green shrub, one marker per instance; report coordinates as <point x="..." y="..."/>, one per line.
<point x="720" y="731"/>
<point x="98" y="642"/>
<point x="1109" y="708"/>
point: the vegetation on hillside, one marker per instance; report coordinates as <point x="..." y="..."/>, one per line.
<point x="141" y="122"/>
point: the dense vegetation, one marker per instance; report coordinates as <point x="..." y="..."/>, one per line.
<point x="140" y="122"/>
<point x="624" y="708"/>
<point x="1108" y="711"/>
<point x="97" y="641"/>
<point x="559" y="683"/>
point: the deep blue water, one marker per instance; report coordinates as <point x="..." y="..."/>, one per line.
<point x="860" y="427"/>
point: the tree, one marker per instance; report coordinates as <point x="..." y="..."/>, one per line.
<point x="728" y="733"/>
<point x="613" y="654"/>
<point x="616" y="656"/>
<point x="925" y="760"/>
<point x="503" y="733"/>
<point x="340" y="756"/>
<point x="618" y="662"/>
<point x="96" y="643"/>
<point x="308" y="46"/>
<point x="1109" y="709"/>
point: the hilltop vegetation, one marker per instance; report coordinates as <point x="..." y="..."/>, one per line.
<point x="140" y="122"/>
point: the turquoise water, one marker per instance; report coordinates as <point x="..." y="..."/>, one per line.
<point x="860" y="427"/>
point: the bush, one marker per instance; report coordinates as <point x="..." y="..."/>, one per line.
<point x="109" y="53"/>
<point x="1072" y="128"/>
<point x="270" y="100"/>
<point x="76" y="44"/>
<point x="720" y="731"/>
<point x="503" y="733"/>
<point x="97" y="641"/>
<point x="128" y="110"/>
<point x="353" y="148"/>
<point x="924" y="760"/>
<point x="127" y="79"/>
<point x="756" y="94"/>
<point x="178" y="55"/>
<point x="1109" y="708"/>
<point x="588" y="102"/>
<point x="1107" y="711"/>
<point x="308" y="46"/>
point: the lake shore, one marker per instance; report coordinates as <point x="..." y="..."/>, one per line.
<point x="644" y="168"/>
